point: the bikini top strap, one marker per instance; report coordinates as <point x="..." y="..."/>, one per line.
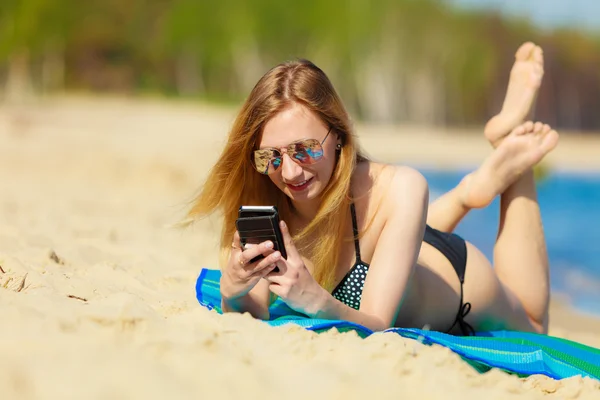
<point x="355" y="230"/>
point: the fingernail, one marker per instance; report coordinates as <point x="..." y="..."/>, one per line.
<point x="276" y="255"/>
<point x="269" y="245"/>
<point x="283" y="224"/>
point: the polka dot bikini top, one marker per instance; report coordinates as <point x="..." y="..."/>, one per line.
<point x="349" y="290"/>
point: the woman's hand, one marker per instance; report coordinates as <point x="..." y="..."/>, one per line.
<point x="240" y="275"/>
<point x="293" y="283"/>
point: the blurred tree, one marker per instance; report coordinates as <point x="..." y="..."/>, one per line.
<point x="26" y="27"/>
<point x="418" y="61"/>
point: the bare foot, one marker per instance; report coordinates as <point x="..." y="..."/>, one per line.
<point x="525" y="80"/>
<point x="526" y="145"/>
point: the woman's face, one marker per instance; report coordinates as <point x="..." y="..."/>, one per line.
<point x="300" y="182"/>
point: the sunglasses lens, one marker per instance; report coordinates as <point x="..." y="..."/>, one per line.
<point x="308" y="151"/>
<point x="266" y="161"/>
<point x="275" y="163"/>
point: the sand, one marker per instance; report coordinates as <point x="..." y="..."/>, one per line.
<point x="97" y="289"/>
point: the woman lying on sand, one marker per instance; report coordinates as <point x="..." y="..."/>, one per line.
<point x="362" y="244"/>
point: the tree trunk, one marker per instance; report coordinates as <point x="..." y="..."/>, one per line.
<point x="247" y="62"/>
<point x="53" y="69"/>
<point x="19" y="87"/>
<point x="188" y="78"/>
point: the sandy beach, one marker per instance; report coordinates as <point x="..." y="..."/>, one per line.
<point x="97" y="288"/>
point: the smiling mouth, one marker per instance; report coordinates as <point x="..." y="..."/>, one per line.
<point x="300" y="185"/>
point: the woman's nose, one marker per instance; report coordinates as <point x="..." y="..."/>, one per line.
<point x="290" y="170"/>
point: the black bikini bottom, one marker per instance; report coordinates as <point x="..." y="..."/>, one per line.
<point x="454" y="248"/>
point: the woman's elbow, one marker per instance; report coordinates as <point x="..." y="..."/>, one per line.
<point x="377" y="323"/>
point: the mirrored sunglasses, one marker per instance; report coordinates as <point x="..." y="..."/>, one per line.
<point x="307" y="151"/>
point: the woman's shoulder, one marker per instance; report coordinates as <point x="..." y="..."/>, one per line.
<point x="378" y="180"/>
<point x="384" y="192"/>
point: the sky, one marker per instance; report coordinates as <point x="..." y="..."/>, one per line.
<point x="584" y="14"/>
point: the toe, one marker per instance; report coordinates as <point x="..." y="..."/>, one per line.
<point x="538" y="55"/>
<point x="537" y="128"/>
<point x="528" y="126"/>
<point x="550" y="141"/>
<point x="519" y="130"/>
<point x="545" y="129"/>
<point x="524" y="52"/>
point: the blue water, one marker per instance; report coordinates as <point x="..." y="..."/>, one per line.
<point x="570" y="207"/>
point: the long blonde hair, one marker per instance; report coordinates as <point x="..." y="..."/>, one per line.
<point x="233" y="181"/>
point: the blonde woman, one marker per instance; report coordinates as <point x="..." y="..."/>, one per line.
<point x="361" y="244"/>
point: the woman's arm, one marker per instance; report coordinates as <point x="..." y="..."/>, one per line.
<point x="255" y="302"/>
<point x="395" y="256"/>
<point x="242" y="286"/>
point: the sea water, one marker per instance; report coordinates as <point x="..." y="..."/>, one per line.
<point x="570" y="207"/>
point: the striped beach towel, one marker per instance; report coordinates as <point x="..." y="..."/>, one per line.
<point x="519" y="353"/>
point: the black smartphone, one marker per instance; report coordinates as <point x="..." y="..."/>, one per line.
<point x="257" y="224"/>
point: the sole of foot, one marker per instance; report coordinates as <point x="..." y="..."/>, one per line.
<point x="523" y="85"/>
<point x="522" y="149"/>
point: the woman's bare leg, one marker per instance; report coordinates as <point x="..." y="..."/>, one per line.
<point x="520" y="258"/>
<point x="446" y="212"/>
<point x="520" y="255"/>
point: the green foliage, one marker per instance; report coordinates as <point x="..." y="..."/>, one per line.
<point x="217" y="49"/>
<point x="21" y="24"/>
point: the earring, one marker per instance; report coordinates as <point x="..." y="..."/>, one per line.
<point x="338" y="146"/>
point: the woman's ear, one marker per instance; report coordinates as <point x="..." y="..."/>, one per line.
<point x="339" y="141"/>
